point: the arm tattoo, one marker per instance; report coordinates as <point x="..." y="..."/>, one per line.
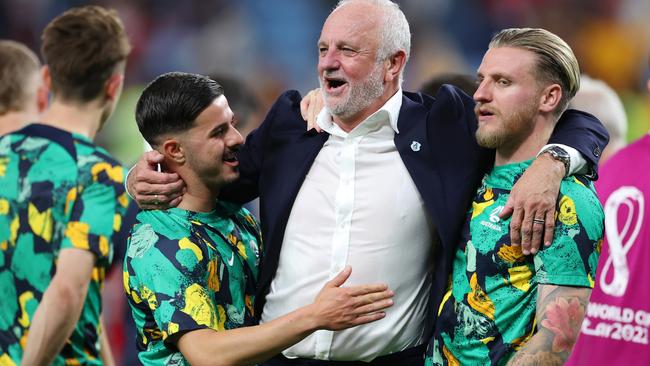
<point x="560" y="311"/>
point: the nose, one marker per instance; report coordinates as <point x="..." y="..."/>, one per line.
<point x="234" y="138"/>
<point x="482" y="93"/>
<point x="328" y="60"/>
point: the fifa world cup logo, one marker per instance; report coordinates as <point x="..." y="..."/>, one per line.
<point x="630" y="202"/>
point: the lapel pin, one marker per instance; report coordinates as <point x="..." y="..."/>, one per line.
<point x="415" y="146"/>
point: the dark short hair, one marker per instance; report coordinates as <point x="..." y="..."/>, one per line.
<point x="18" y="64"/>
<point x="82" y="48"/>
<point x="172" y="102"/>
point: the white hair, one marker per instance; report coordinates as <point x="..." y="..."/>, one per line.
<point x="394" y="34"/>
<point x="599" y="99"/>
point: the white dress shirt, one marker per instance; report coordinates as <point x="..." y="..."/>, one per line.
<point x="359" y="206"/>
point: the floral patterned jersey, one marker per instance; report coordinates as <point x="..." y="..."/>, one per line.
<point x="185" y="271"/>
<point x="58" y="190"/>
<point x="488" y="312"/>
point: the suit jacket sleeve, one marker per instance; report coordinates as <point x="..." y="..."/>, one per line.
<point x="583" y="132"/>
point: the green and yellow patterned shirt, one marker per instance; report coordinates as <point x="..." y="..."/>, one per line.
<point x="58" y="190"/>
<point x="488" y="312"/>
<point x="188" y="270"/>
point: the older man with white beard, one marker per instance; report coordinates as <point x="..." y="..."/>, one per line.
<point x="384" y="190"/>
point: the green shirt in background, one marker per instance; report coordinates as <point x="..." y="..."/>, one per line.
<point x="489" y="311"/>
<point x="57" y="190"/>
<point x="188" y="270"/>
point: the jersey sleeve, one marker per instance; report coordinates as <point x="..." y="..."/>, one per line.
<point x="572" y="258"/>
<point x="95" y="208"/>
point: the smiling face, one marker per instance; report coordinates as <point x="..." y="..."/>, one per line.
<point x="507" y="98"/>
<point x="351" y="79"/>
<point x="211" y="143"/>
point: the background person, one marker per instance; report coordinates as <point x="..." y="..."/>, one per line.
<point x="599" y="99"/>
<point x="62" y="198"/>
<point x="23" y="95"/>
<point x="615" y="330"/>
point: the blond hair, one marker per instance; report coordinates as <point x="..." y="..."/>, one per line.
<point x="18" y="65"/>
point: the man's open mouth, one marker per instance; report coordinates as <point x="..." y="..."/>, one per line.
<point x="333" y="83"/>
<point x="230" y="157"/>
<point x="483" y="111"/>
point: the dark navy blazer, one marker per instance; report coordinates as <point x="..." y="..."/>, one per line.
<point x="446" y="169"/>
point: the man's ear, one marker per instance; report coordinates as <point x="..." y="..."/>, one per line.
<point x="550" y="98"/>
<point x="173" y="151"/>
<point x="47" y="78"/>
<point x="396" y="63"/>
<point x="42" y="94"/>
<point x="114" y="86"/>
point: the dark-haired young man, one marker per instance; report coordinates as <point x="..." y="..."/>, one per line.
<point x="62" y="198"/>
<point x="190" y="272"/>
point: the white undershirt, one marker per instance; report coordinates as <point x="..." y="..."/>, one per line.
<point x="358" y="205"/>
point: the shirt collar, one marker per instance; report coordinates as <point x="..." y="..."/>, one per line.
<point x="390" y="109"/>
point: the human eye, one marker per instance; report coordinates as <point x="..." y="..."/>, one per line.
<point x="219" y="131"/>
<point x="348" y="51"/>
<point x="503" y="82"/>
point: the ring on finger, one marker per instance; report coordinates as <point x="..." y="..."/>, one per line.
<point x="156" y="200"/>
<point x="539" y="221"/>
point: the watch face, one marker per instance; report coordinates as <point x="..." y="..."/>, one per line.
<point x="558" y="152"/>
<point x="560" y="155"/>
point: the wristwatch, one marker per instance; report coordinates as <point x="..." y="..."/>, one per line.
<point x="560" y="155"/>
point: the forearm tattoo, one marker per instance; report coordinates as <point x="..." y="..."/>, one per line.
<point x="560" y="311"/>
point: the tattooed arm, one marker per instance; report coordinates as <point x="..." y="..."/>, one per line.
<point x="560" y="310"/>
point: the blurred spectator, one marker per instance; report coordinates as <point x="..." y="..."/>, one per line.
<point x="23" y="95"/>
<point x="615" y="329"/>
<point x="597" y="98"/>
<point x="62" y="199"/>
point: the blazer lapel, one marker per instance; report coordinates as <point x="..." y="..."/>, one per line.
<point x="420" y="159"/>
